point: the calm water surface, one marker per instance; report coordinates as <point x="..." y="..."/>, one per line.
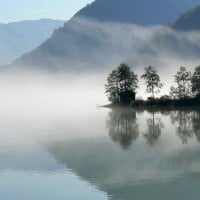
<point x="98" y="154"/>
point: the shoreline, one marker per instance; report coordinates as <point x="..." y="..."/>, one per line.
<point x="152" y="106"/>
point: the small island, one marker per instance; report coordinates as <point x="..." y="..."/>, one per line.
<point x="122" y="86"/>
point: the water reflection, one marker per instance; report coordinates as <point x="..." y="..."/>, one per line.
<point x="196" y="124"/>
<point x="123" y="127"/>
<point x="153" y="129"/>
<point x="151" y="162"/>
<point x="186" y="123"/>
<point x="183" y="120"/>
<point x="141" y="171"/>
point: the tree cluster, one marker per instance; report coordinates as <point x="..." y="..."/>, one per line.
<point x="188" y="84"/>
<point x="122" y="84"/>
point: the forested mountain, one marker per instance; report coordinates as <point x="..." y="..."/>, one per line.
<point x="189" y="21"/>
<point x="141" y="12"/>
<point x="179" y="42"/>
<point x="20" y="37"/>
<point x="102" y="34"/>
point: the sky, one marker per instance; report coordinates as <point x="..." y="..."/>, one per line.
<point x="18" y="10"/>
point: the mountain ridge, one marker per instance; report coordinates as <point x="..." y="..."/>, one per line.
<point x="16" y="38"/>
<point x="189" y="21"/>
<point x="81" y="43"/>
<point x="139" y="12"/>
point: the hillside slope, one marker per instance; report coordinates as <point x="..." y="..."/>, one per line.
<point x="189" y="21"/>
<point x="101" y="34"/>
<point x="20" y="37"/>
<point x="141" y="12"/>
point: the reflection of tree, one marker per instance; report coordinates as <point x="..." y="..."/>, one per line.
<point x="154" y="129"/>
<point x="183" y="119"/>
<point x="123" y="127"/>
<point x="196" y="124"/>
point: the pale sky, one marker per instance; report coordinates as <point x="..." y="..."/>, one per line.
<point x="18" y="10"/>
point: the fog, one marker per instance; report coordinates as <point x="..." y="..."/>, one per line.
<point x="94" y="48"/>
<point x="51" y="121"/>
<point x="27" y="93"/>
<point x="43" y="105"/>
<point x="86" y="45"/>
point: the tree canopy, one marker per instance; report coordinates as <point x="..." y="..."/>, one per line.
<point x="152" y="80"/>
<point x="196" y="81"/>
<point x="122" y="84"/>
<point x="183" y="78"/>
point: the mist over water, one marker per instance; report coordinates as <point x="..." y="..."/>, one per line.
<point x="95" y="48"/>
<point x="54" y="135"/>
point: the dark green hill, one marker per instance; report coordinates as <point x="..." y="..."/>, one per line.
<point x="189" y="21"/>
<point x="142" y="12"/>
<point x="100" y="35"/>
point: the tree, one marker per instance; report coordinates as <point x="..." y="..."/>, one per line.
<point x="152" y="80"/>
<point x="121" y="85"/>
<point x="183" y="79"/>
<point x="173" y="92"/>
<point x="196" y="81"/>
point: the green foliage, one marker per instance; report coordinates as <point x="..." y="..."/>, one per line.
<point x="121" y="85"/>
<point x="152" y="80"/>
<point x="183" y="80"/>
<point x="196" y="81"/>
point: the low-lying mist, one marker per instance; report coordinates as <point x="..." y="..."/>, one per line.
<point x="47" y="106"/>
<point x="91" y="47"/>
<point x="49" y="91"/>
<point x="87" y="45"/>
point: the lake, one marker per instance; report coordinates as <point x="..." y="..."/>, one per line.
<point x="100" y="153"/>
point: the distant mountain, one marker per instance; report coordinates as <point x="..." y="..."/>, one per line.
<point x="189" y="21"/>
<point x="85" y="45"/>
<point x="169" y="48"/>
<point x="140" y="12"/>
<point x="20" y="37"/>
<point x="178" y="43"/>
<point x="101" y="34"/>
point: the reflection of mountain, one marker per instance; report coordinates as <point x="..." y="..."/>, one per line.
<point x="117" y="172"/>
<point x="140" y="171"/>
<point x="136" y="171"/>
